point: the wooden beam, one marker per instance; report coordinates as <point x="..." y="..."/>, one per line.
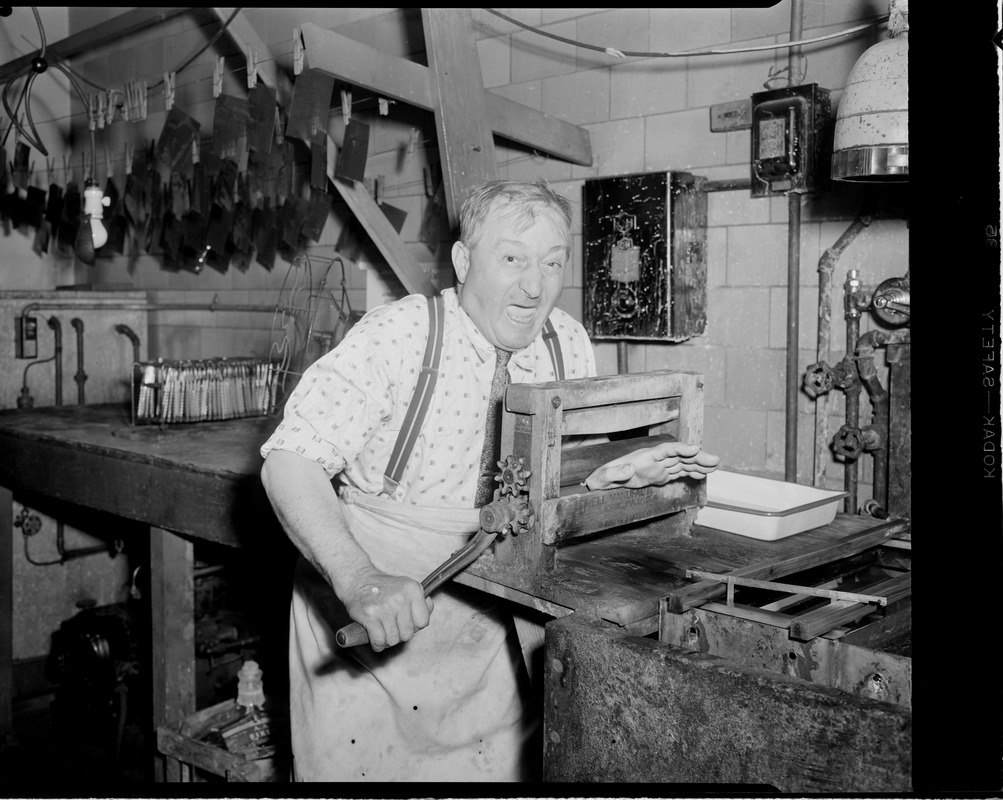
<point x="386" y="239"/>
<point x="532" y="128"/>
<point x="172" y="617"/>
<point x="409" y="82"/>
<point x="362" y="65"/>
<point x="108" y="32"/>
<point x="242" y="32"/>
<point x="466" y="146"/>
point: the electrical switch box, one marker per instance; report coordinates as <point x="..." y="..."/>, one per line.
<point x="25" y="337"/>
<point x="788" y="133"/>
<point x="645" y="254"/>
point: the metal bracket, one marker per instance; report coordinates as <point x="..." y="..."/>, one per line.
<point x="814" y="591"/>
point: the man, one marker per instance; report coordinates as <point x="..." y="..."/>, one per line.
<point x="439" y="692"/>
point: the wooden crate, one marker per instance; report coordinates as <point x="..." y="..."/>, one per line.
<point x="183" y="741"/>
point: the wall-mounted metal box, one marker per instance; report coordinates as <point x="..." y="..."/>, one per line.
<point x="645" y="256"/>
<point x="788" y="132"/>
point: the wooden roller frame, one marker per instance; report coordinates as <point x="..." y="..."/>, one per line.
<point x="538" y="416"/>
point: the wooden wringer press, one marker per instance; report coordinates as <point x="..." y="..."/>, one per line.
<point x="580" y="550"/>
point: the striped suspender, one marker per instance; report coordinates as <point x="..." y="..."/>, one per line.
<point x="420" y="401"/>
<point x="425" y="389"/>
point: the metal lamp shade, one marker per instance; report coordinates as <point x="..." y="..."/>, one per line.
<point x="871" y="139"/>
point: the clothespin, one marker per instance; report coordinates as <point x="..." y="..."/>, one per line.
<point x="100" y="101"/>
<point x="129" y="150"/>
<point x="195" y="150"/>
<point x="217" y="77"/>
<point x="169" y="78"/>
<point x="67" y="169"/>
<point x="278" y="128"/>
<point x="112" y="103"/>
<point x="412" y="142"/>
<point x="252" y="67"/>
<point x="143" y="96"/>
<point x="127" y="103"/>
<point x="92" y="108"/>
<point x="384" y="106"/>
<point x="346" y="105"/>
<point x="298" y="51"/>
<point x="132" y="101"/>
<point x="50" y="166"/>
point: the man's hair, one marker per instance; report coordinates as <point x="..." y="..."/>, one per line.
<point x="525" y="200"/>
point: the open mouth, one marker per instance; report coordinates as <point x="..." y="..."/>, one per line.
<point x="520" y="315"/>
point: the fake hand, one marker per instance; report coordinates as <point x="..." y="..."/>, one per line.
<point x="391" y="608"/>
<point x="654" y="466"/>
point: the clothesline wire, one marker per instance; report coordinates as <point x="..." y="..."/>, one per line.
<point x="612" y="51"/>
<point x="356" y="104"/>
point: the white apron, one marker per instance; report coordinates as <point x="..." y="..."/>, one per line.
<point x="450" y="705"/>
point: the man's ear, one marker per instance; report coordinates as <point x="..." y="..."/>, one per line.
<point x="461" y="261"/>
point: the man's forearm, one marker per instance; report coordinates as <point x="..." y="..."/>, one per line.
<point x="309" y="511"/>
<point x="390" y="607"/>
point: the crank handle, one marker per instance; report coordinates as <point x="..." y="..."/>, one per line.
<point x="352" y="635"/>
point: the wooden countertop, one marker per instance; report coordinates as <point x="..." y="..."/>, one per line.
<point x="200" y="480"/>
<point x="228" y="446"/>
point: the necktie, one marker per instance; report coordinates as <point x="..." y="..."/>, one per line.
<point x="492" y="430"/>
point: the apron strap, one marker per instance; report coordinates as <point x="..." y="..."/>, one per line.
<point x="424" y="390"/>
<point x="421" y="400"/>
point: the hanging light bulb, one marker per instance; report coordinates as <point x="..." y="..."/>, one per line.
<point x="92" y="233"/>
<point x="871" y="139"/>
<point x="94" y="204"/>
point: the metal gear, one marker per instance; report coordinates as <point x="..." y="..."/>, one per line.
<point x="512" y="476"/>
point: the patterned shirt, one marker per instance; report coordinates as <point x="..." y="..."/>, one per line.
<point x="348" y="407"/>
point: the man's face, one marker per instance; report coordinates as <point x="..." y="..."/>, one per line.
<point x="513" y="275"/>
